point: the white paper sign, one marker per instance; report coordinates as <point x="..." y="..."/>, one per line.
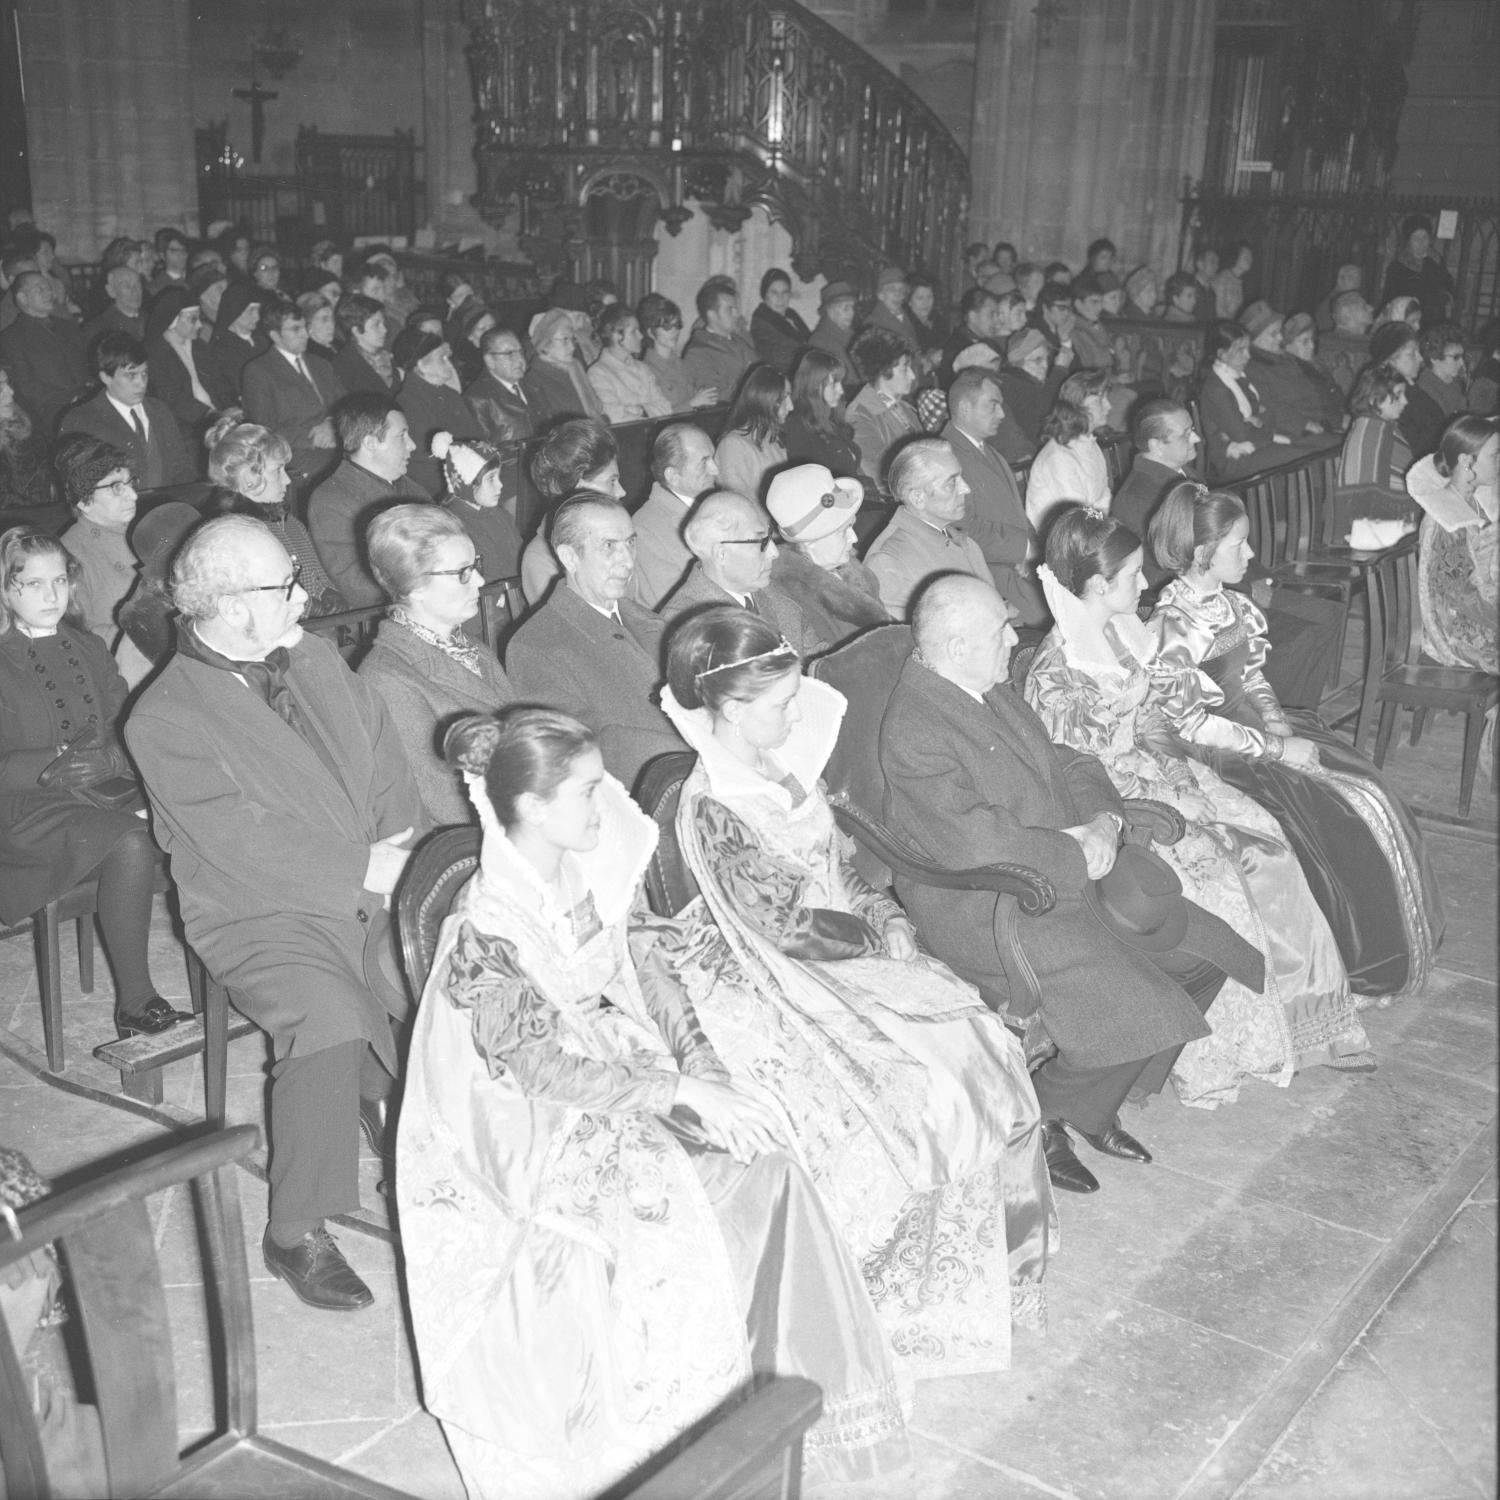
<point x="1447" y="225"/>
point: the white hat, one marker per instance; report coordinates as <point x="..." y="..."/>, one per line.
<point x="808" y="503"/>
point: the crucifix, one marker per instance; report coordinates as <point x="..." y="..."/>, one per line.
<point x="257" y="98"/>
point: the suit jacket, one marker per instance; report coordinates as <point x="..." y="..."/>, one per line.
<point x="161" y="460"/>
<point x="1029" y="400"/>
<point x="1135" y="502"/>
<point x="276" y="396"/>
<point x="996" y="519"/>
<point x="661" y="556"/>
<point x="971" y="783"/>
<point x="112" y="320"/>
<point x="424" y="690"/>
<point x="779" y="337"/>
<point x="603" y="671"/>
<point x="46" y="360"/>
<point x="712" y="359"/>
<point x="1224" y="423"/>
<point x="909" y="551"/>
<point x="505" y="415"/>
<point x="337" y="514"/>
<point x="699" y="591"/>
<point x="878" y="426"/>
<point x="356" y="373"/>
<point x="269" y="848"/>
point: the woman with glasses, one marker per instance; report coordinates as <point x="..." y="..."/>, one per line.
<point x="100" y="491"/>
<point x="556" y="383"/>
<point x="911" y="1101"/>
<point x="422" y="664"/>
<point x="661" y="324"/>
<point x="60" y="701"/>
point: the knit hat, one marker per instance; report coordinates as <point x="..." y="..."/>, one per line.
<point x="82" y="462"/>
<point x="1023" y="345"/>
<point x="889" y="277"/>
<point x="808" y="503"/>
<point x="1389" y="338"/>
<point x="413" y="345"/>
<point x="1259" y="317"/>
<point x="545" y="327"/>
<point x="464" y="463"/>
<point x="836" y="291"/>
<point x="1297" y="324"/>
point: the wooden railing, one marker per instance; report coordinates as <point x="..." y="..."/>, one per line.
<point x="727" y="103"/>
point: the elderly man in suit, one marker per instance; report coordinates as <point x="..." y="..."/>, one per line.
<point x="283" y="797"/>
<point x="1303" y="628"/>
<point x="127" y="296"/>
<point x="291" y="394"/>
<point x="924" y="537"/>
<point x="496" y="395"/>
<point x="734" y="546"/>
<point x="377" y="447"/>
<point x="44" y="352"/>
<point x="995" y="516"/>
<point x="682" y="468"/>
<point x="591" y="650"/>
<point x="971" y="779"/>
<point x="124" y="416"/>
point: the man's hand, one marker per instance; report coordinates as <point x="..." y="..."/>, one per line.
<point x="706" y="395"/>
<point x="322" y="435"/>
<point x="1099" y="839"/>
<point x="388" y="859"/>
<point x="1239" y="450"/>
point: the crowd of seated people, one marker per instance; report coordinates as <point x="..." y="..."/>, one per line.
<point x="807" y="1081"/>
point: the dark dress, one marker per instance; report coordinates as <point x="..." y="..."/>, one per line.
<point x="1356" y="841"/>
<point x="50" y="688"/>
<point x="429" y="409"/>
<point x="779" y="337"/>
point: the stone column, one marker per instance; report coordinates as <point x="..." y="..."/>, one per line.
<point x="1088" y="116"/>
<point x="109" y="119"/>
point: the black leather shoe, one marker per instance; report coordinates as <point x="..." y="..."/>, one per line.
<point x="316" y="1270"/>
<point x="154" y="1017"/>
<point x="1067" y="1173"/>
<point x="1113" y="1141"/>
<point x="374" y="1124"/>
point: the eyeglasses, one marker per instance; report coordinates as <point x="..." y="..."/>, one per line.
<point x="507" y="353"/>
<point x="463" y="574"/>
<point x="119" y="488"/>
<point x="284" y="589"/>
<point x="760" y="543"/>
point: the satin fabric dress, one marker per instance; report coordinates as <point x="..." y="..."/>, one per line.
<point x="1238" y="866"/>
<point x="1458" y="574"/>
<point x="911" y="1101"/>
<point x="1355" y="840"/>
<point x="586" y="1277"/>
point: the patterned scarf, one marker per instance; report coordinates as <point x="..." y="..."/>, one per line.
<point x="456" y="646"/>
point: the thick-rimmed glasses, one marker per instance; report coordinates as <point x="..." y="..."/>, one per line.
<point x="463" y="574"/>
<point x="284" y="589"/>
<point x="760" y="543"/>
<point x="119" y="488"/>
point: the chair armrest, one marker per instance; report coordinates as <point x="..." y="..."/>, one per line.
<point x="1033" y="891"/>
<point x="1161" y="821"/>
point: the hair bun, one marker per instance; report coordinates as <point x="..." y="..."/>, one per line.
<point x="470" y="743"/>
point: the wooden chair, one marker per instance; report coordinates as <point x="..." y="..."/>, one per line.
<point x="116" y="1289"/>
<point x="350" y="630"/>
<point x="435" y="874"/>
<point x="669" y="883"/>
<point x="501" y="606"/>
<point x="1396" y="677"/>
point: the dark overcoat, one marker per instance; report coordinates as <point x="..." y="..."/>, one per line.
<point x="972" y="783"/>
<point x="269" y="849"/>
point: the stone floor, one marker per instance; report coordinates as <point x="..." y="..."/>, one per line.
<point x="1297" y="1299"/>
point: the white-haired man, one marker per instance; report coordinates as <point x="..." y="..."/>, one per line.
<point x="282" y="794"/>
<point x="924" y="537"/>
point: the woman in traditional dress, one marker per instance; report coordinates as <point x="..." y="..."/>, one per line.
<point x="603" y="1236"/>
<point x="1090" y="683"/>
<point x="910" y="1099"/>
<point x="1357" y="843"/>
<point x="1457" y="577"/>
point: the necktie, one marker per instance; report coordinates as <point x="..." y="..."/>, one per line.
<point x="140" y="426"/>
<point x="751" y="605"/>
<point x="302" y="371"/>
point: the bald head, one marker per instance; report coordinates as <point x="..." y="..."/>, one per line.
<point x="963" y="629"/>
<point x="729" y="535"/>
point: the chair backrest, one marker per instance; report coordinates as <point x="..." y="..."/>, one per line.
<point x="434" y="875"/>
<point x="501" y="606"/>
<point x="865" y="672"/>
<point x="669" y="883"/>
<point x="1395" y="616"/>
<point x="350" y="630"/>
<point x="115" y="1285"/>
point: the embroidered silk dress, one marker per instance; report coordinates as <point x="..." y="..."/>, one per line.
<point x="586" y="1277"/>
<point x="911" y="1101"/>
<point x="1458" y="575"/>
<point x="1357" y="843"/>
<point x="1238" y="866"/>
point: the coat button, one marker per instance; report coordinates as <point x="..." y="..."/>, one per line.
<point x="363" y="916"/>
